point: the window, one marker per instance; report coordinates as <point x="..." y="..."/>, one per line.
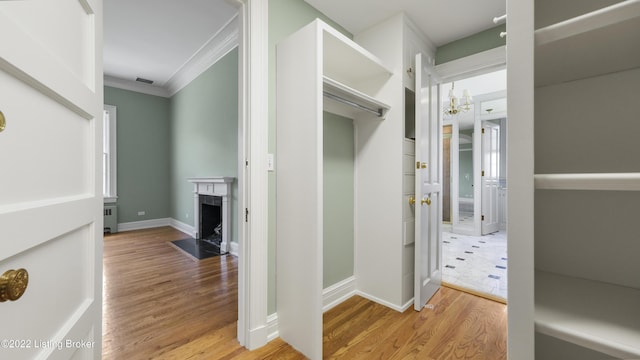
<point x="109" y="155"/>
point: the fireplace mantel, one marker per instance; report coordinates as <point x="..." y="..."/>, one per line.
<point x="215" y="186"/>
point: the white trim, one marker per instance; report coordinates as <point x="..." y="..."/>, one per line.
<point x="233" y="248"/>
<point x="337" y="293"/>
<point x="596" y="181"/>
<point x="110" y="133"/>
<point x="272" y="327"/>
<point x="395" y="307"/>
<point x="144" y="224"/>
<point x="184" y="227"/>
<point x="253" y="252"/>
<point x="135" y="86"/>
<point x="520" y="180"/>
<point x="476" y="64"/>
<point x="219" y="45"/>
<point x="331" y="297"/>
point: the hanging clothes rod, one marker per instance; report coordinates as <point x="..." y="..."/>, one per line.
<point x="499" y="18"/>
<point x="377" y="112"/>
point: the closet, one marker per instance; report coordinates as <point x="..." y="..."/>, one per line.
<point x="318" y="69"/>
<point x="321" y="70"/>
<point x="586" y="179"/>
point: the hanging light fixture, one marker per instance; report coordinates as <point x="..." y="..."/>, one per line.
<point x="454" y="106"/>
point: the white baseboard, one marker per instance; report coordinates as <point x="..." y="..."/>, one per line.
<point x="144" y="224"/>
<point x="184" y="227"/>
<point x="272" y="327"/>
<point x="337" y="293"/>
<point x="385" y="303"/>
<point x="234" y="249"/>
<point x="331" y="296"/>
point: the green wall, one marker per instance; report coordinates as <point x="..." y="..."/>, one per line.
<point x="482" y="41"/>
<point x="338" y="212"/>
<point x="143" y="152"/>
<point x="285" y="18"/>
<point x="204" y="135"/>
<point x="164" y="141"/>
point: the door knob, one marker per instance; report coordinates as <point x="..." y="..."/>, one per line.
<point x="426" y="201"/>
<point x="13" y="284"/>
<point x="3" y="122"/>
<point x="412" y="200"/>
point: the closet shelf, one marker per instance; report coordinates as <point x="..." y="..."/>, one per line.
<point x="596" y="315"/>
<point x="349" y="63"/>
<point x="597" y="43"/>
<point x="589" y="181"/>
<point x="343" y="100"/>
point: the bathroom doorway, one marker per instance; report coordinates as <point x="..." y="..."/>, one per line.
<point x="475" y="237"/>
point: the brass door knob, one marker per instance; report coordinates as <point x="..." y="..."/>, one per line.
<point x="412" y="200"/>
<point x="3" y="122"/>
<point x="426" y="201"/>
<point x="13" y="284"/>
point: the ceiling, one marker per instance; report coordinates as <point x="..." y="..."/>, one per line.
<point x="442" y="21"/>
<point x="155" y="39"/>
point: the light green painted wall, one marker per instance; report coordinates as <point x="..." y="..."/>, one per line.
<point x="143" y="154"/>
<point x="470" y="45"/>
<point x="338" y="214"/>
<point x="204" y="135"/>
<point x="285" y="18"/>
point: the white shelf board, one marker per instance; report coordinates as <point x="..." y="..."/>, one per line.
<point x="590" y="181"/>
<point x="597" y="43"/>
<point x="348" y="62"/>
<point x="361" y="101"/>
<point x="595" y="315"/>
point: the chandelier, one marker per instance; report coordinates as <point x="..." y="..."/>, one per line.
<point x="454" y="107"/>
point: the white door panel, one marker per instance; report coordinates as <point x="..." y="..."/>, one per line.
<point x="428" y="207"/>
<point x="51" y="183"/>
<point x="71" y="44"/>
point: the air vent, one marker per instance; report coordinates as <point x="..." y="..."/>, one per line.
<point x="146" y="81"/>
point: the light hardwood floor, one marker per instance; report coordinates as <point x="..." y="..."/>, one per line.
<point x="162" y="304"/>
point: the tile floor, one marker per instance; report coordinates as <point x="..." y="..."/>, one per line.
<point x="478" y="263"/>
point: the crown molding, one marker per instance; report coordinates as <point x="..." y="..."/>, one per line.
<point x="219" y="45"/>
<point x="135" y="86"/>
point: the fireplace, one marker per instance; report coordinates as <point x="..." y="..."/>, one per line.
<point x="212" y="210"/>
<point x="210" y="228"/>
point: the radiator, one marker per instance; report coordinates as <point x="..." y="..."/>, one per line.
<point x="111" y="219"/>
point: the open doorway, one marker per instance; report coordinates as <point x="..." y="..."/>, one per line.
<point x="475" y="237"/>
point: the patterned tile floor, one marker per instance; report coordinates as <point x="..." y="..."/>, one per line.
<point x="478" y="263"/>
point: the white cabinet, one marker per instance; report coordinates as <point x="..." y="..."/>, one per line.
<point x="383" y="170"/>
<point x="318" y="69"/>
<point x="587" y="173"/>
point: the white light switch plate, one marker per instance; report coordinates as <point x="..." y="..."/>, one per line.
<point x="270" y="164"/>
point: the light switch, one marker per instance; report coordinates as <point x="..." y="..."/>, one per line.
<point x="270" y="164"/>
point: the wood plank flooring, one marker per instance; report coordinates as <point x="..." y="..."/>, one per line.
<point x="159" y="303"/>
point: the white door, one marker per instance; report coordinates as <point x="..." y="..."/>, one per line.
<point x="490" y="177"/>
<point x="428" y="209"/>
<point x="51" y="179"/>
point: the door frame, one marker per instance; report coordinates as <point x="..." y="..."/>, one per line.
<point x="253" y="181"/>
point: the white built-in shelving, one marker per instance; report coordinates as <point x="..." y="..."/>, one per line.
<point x="596" y="315"/>
<point x="599" y="42"/>
<point x="587" y="180"/>
<point x="318" y="69"/>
